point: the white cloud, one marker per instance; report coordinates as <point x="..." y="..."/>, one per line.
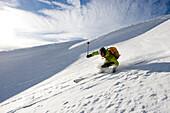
<point x="22" y="28"/>
<point x="14" y="27"/>
<point x="12" y="3"/>
<point x="63" y="6"/>
<point x="75" y="3"/>
<point x="45" y="1"/>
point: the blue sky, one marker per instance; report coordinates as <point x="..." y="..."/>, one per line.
<point x="26" y="23"/>
<point x="35" y="5"/>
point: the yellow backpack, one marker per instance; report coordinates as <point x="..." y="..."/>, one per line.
<point x="113" y="51"/>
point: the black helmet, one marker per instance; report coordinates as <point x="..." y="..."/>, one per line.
<point x="102" y="51"/>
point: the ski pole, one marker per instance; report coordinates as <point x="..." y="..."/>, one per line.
<point x="88" y="48"/>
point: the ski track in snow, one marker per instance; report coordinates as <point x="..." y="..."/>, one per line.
<point x="140" y="88"/>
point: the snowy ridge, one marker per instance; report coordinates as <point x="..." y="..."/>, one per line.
<point x="143" y="87"/>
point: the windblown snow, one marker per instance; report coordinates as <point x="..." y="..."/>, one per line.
<point x="40" y="79"/>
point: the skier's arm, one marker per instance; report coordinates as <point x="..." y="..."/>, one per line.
<point x="93" y="54"/>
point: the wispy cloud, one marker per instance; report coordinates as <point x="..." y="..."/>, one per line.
<point x="45" y="1"/>
<point x="64" y="22"/>
<point x="11" y="3"/>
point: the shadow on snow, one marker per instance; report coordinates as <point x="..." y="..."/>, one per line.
<point x="153" y="67"/>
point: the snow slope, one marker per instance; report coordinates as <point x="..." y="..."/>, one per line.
<point x="141" y="83"/>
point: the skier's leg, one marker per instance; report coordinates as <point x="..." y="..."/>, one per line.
<point x="105" y="66"/>
<point x="114" y="70"/>
<point x="116" y="63"/>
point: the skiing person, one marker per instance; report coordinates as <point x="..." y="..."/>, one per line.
<point x="110" y="58"/>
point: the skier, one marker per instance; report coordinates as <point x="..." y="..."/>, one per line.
<point x="110" y="58"/>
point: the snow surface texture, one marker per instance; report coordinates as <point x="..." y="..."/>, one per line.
<point x="141" y="84"/>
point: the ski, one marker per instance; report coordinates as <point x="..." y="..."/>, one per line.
<point x="78" y="80"/>
<point x="86" y="77"/>
<point x="82" y="78"/>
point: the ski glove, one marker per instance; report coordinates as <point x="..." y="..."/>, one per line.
<point x="88" y="56"/>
